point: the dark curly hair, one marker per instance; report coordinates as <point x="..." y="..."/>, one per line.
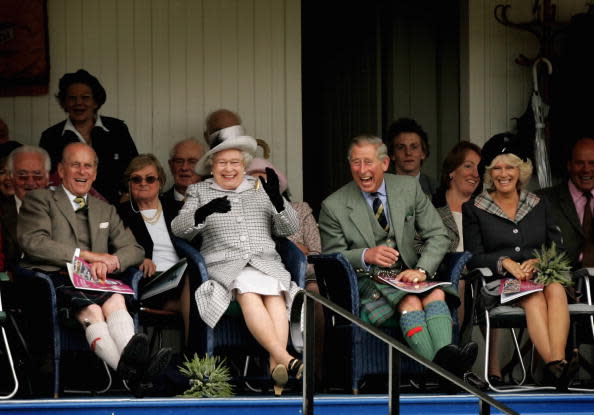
<point x="81" y="77"/>
<point x="406" y="125"/>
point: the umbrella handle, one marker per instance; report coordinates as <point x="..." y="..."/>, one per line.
<point x="535" y="67"/>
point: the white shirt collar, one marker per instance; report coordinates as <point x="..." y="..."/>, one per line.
<point x="18" y="203"/>
<point x="178" y="196"/>
<point x="70" y="127"/>
<point x="71" y="197"/>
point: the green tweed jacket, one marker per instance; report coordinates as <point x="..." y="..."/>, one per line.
<point x="345" y="226"/>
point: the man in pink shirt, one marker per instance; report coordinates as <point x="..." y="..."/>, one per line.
<point x="569" y="200"/>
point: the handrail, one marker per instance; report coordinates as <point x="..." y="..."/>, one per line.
<point x="310" y="298"/>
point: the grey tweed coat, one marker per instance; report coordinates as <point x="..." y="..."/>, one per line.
<point x="233" y="240"/>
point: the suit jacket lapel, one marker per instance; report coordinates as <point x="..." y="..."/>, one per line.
<point x="359" y="214"/>
<point x="397" y="209"/>
<point x="66" y="208"/>
<point x="568" y="208"/>
<point x="94" y="219"/>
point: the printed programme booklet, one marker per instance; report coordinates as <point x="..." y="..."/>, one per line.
<point x="81" y="277"/>
<point x="165" y="281"/>
<point x="409" y="287"/>
<point x="511" y="289"/>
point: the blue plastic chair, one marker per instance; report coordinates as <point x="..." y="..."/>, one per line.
<point x="358" y="352"/>
<point x="231" y="335"/>
<point x="66" y="334"/>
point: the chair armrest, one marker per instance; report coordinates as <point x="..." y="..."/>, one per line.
<point x="294" y="260"/>
<point x="584" y="274"/>
<point x="456" y="262"/>
<point x="337" y="280"/>
<point x="478" y="273"/>
<point x="194" y="256"/>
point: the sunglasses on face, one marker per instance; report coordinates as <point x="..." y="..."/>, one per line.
<point x="140" y="179"/>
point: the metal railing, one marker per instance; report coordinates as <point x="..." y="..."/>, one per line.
<point x="394" y="349"/>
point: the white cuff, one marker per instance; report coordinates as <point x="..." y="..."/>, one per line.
<point x="76" y="254"/>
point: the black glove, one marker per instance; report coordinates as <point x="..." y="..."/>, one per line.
<point x="272" y="188"/>
<point x="218" y="205"/>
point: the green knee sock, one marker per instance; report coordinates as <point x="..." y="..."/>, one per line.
<point x="414" y="329"/>
<point x="439" y="324"/>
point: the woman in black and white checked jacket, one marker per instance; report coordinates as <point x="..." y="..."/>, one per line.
<point x="237" y="216"/>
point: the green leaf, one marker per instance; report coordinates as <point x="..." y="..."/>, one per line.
<point x="209" y="377"/>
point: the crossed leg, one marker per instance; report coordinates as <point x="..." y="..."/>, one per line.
<point x="266" y="318"/>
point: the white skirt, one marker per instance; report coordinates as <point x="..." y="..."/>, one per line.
<point x="252" y="280"/>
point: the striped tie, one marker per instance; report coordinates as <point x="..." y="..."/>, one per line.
<point x="378" y="211"/>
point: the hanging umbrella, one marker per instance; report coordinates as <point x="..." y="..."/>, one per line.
<point x="540" y="110"/>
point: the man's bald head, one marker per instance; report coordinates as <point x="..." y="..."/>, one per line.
<point x="581" y="164"/>
<point x="219" y="119"/>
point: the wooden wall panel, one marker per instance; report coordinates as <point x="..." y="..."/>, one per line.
<point x="195" y="103"/>
<point x="166" y="64"/>
<point x="141" y="126"/>
<point x="494" y="89"/>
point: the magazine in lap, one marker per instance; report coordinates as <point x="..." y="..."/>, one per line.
<point x="82" y="279"/>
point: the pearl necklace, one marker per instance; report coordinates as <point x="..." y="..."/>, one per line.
<point x="155" y="218"/>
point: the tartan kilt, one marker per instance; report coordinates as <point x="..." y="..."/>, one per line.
<point x="379" y="301"/>
<point x="74" y="299"/>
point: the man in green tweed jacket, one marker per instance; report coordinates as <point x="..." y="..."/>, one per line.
<point x="351" y="223"/>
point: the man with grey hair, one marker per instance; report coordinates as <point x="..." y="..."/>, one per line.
<point x="28" y="167"/>
<point x="373" y="221"/>
<point x="182" y="162"/>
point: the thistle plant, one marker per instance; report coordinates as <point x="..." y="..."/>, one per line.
<point x="552" y="266"/>
<point x="209" y="377"/>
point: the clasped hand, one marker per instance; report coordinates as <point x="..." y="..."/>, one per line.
<point x="523" y="271"/>
<point x="101" y="263"/>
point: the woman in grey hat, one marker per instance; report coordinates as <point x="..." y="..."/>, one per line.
<point x="237" y="216"/>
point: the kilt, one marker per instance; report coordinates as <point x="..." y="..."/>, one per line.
<point x="379" y="301"/>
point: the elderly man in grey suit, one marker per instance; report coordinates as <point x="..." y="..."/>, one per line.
<point x="372" y="221"/>
<point x="54" y="227"/>
<point x="28" y="168"/>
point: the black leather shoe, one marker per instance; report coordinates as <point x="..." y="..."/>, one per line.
<point x="158" y="363"/>
<point x="134" y="358"/>
<point x="556" y="375"/>
<point x="448" y="357"/>
<point x="474" y="380"/>
<point x="468" y="355"/>
<point x="496" y="381"/>
<point x="142" y="384"/>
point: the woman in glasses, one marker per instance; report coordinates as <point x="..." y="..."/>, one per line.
<point x="81" y="96"/>
<point x="237" y="216"/>
<point x="149" y="218"/>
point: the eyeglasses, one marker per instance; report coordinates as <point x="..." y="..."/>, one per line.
<point x="140" y="179"/>
<point x="25" y="177"/>
<point x="178" y="162"/>
<point x="223" y="163"/>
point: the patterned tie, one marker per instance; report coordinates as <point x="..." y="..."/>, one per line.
<point x="588" y="247"/>
<point x="80" y="201"/>
<point x="378" y="211"/>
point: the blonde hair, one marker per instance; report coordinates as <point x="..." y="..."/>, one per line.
<point x="525" y="168"/>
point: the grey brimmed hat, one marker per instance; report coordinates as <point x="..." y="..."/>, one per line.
<point x="225" y="140"/>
